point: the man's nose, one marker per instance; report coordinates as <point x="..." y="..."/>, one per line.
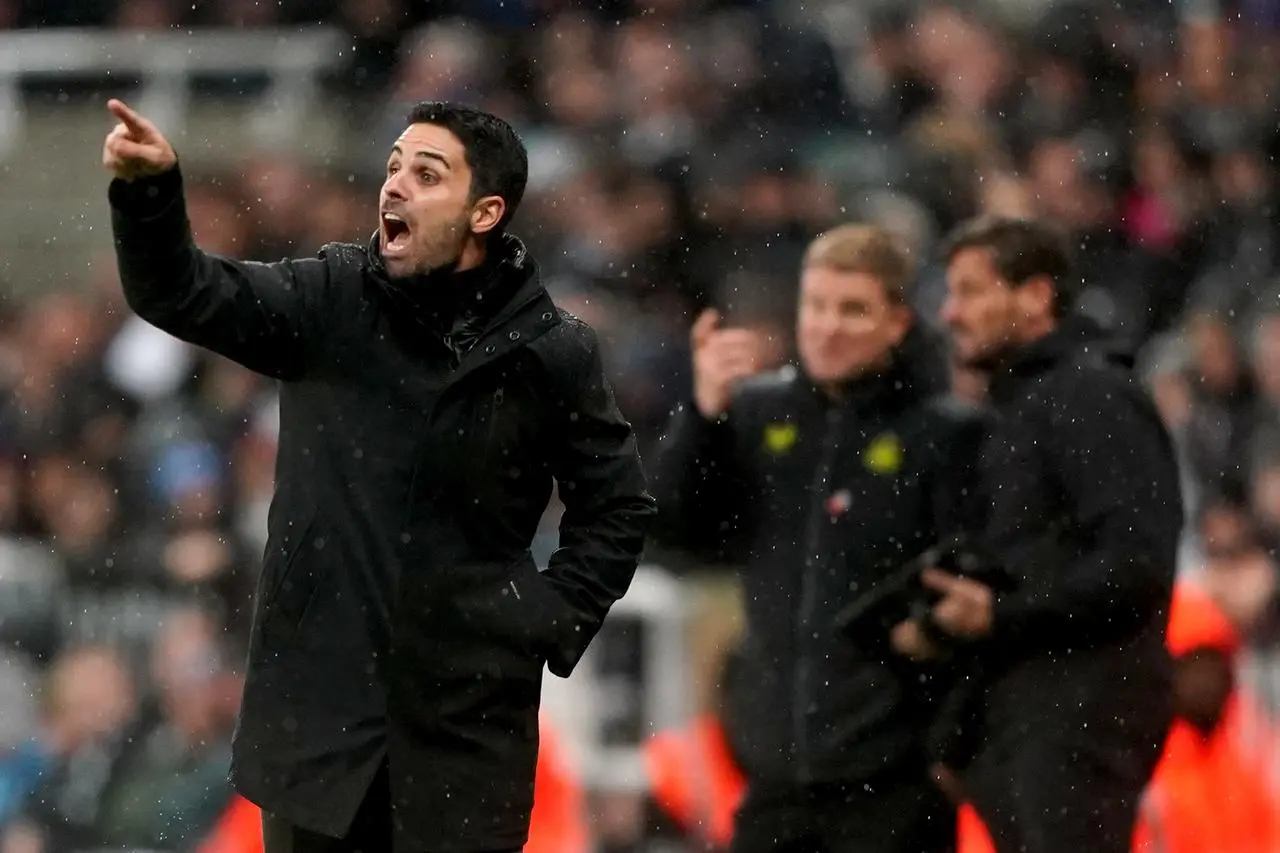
<point x="948" y="314"/>
<point x="391" y="187"/>
<point x="821" y="329"/>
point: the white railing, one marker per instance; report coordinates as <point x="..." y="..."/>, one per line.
<point x="292" y="60"/>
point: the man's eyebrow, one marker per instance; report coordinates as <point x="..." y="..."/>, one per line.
<point x="431" y="155"/>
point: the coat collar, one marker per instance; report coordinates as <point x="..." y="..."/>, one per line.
<point x="907" y="379"/>
<point x="479" y="315"/>
<point x="1075" y="338"/>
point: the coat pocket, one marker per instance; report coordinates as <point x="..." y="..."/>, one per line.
<point x="503" y="425"/>
<point x="485" y="421"/>
<point x="507" y="606"/>
<point x="543" y="607"/>
<point x="289" y="597"/>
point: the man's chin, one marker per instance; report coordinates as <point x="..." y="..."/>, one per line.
<point x="400" y="268"/>
<point x="983" y="360"/>
<point x="838" y="374"/>
<point x="406" y="267"/>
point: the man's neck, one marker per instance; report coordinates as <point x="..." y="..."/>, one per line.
<point x="473" y="255"/>
<point x="841" y="390"/>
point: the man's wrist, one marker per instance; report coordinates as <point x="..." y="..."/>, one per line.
<point x="707" y="413"/>
<point x="147" y="196"/>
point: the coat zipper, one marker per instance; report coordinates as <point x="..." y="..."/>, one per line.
<point x="809" y="593"/>
<point x="493" y="416"/>
<point x="456" y="363"/>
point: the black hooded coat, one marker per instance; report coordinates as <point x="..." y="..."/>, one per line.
<point x="401" y="620"/>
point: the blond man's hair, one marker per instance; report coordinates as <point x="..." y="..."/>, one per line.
<point x="867" y="249"/>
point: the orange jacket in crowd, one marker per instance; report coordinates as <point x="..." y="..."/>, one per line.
<point x="1208" y="795"/>
<point x="1205" y="798"/>
<point x="694" y="779"/>
<point x="239" y="830"/>
<point x="972" y="833"/>
<point x="558" y="823"/>
<point x="559" y="820"/>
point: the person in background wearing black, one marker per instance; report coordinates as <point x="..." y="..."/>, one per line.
<point x="1085" y="512"/>
<point x="430" y="395"/>
<point x="821" y="482"/>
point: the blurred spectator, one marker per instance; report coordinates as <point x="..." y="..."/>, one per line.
<point x="1222" y="399"/>
<point x="171" y="785"/>
<point x="1238" y="571"/>
<point x="1211" y="789"/>
<point x="63" y="773"/>
<point x="145" y="14"/>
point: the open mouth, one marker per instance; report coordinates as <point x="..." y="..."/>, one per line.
<point x="395" y="234"/>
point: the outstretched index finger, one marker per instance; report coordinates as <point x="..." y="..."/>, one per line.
<point x="939" y="581"/>
<point x="138" y="126"/>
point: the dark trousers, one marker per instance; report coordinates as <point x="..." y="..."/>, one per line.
<point x="1042" y="794"/>
<point x="370" y="831"/>
<point x="898" y="816"/>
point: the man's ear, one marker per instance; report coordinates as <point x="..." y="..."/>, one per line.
<point x="487" y="213"/>
<point x="900" y="318"/>
<point x="1037" y="295"/>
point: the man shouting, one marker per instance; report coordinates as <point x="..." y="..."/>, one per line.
<point x="430" y="394"/>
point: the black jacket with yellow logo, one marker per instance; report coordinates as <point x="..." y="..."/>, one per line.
<point x="819" y="499"/>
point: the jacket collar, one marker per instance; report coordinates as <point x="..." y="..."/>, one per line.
<point x="886" y="390"/>
<point x="477" y="314"/>
<point x="439" y="296"/>
<point x="1075" y="338"/>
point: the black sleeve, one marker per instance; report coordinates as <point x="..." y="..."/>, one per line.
<point x="703" y="488"/>
<point x="259" y="315"/>
<point x="607" y="507"/>
<point x="1120" y="483"/>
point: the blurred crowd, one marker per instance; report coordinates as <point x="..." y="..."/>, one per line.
<point x="683" y="152"/>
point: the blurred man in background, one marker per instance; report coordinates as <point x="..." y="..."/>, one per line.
<point x="1085" y="511"/>
<point x="170" y="784"/>
<point x="57" y="784"/>
<point x="822" y="481"/>
<point x="430" y="394"/>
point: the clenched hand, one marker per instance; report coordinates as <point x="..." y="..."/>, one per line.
<point x="721" y="359"/>
<point x="965" y="610"/>
<point x="135" y="148"/>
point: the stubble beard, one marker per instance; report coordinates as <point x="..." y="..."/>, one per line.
<point x="989" y="357"/>
<point x="440" y="252"/>
<point x="447" y="243"/>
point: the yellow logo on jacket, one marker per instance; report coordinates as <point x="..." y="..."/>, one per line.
<point x="780" y="438"/>
<point x="883" y="455"/>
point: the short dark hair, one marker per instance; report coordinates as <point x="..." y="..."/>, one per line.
<point x="494" y="151"/>
<point x="1021" y="249"/>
